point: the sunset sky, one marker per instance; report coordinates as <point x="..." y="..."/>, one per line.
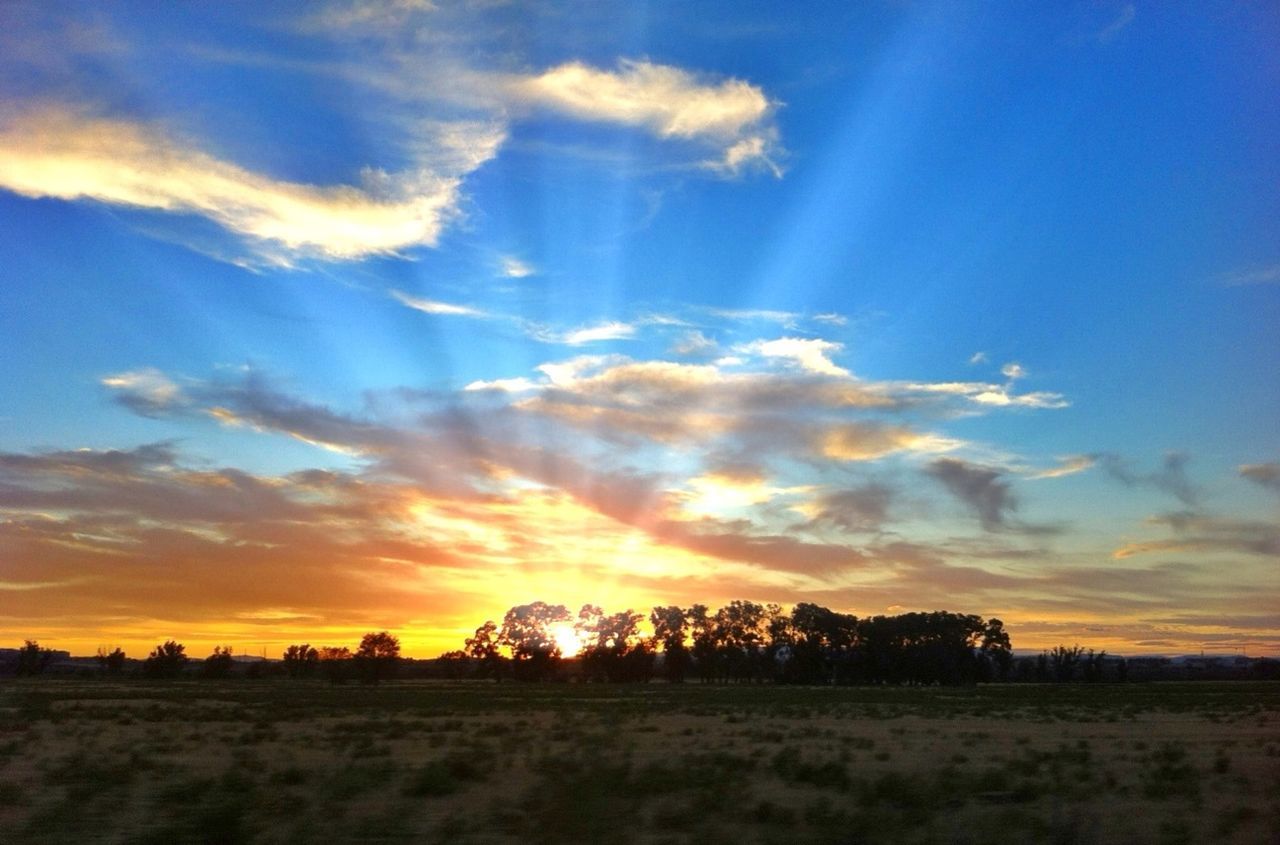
<point x="328" y="318"/>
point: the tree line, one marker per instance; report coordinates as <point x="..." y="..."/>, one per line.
<point x="742" y="642"/>
<point x="375" y="659"/>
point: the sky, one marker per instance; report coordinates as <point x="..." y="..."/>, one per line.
<point x="324" y="318"/>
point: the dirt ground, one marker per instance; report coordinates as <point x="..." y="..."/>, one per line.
<point x="293" y="761"/>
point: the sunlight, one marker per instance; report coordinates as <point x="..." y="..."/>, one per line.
<point x="567" y="639"/>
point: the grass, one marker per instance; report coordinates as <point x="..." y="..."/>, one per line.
<point x="265" y="761"/>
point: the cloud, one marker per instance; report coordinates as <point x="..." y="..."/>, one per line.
<point x="1013" y="370"/>
<point x="1208" y="534"/>
<point x="1265" y="475"/>
<point x="831" y="319"/>
<point x="978" y="487"/>
<point x="865" y="441"/>
<point x="669" y="102"/>
<point x="863" y="508"/>
<point x="1171" y="477"/>
<point x="147" y="391"/>
<point x="786" y="319"/>
<point x="429" y="306"/>
<point x="693" y="343"/>
<point x="719" y="493"/>
<point x="505" y="385"/>
<point x="1068" y="466"/>
<point x="514" y="268"/>
<point x="1261" y="275"/>
<point x="64" y="154"/>
<point x="1125" y="17"/>
<point x="809" y="354"/>
<point x="982" y="393"/>
<point x="978" y="358"/>
<point x="607" y="330"/>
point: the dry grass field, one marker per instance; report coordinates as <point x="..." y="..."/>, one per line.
<point x="278" y="761"/>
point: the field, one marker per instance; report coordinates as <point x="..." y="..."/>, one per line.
<point x="276" y="761"/>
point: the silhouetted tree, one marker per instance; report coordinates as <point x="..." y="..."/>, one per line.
<point x="111" y="662"/>
<point x="301" y="661"/>
<point x="821" y="645"/>
<point x="453" y="665"/>
<point x="1092" y="665"/>
<point x="526" y="630"/>
<point x="377" y="657"/>
<point x="335" y="662"/>
<point x="32" y="659"/>
<point x="919" y="648"/>
<point x="218" y="664"/>
<point x="166" y="660"/>
<point x="613" y="650"/>
<point x="997" y="650"/>
<point x="740" y="638"/>
<point x="670" y="627"/>
<point x="1063" y="662"/>
<point x="484" y="649"/>
<point x="702" y="629"/>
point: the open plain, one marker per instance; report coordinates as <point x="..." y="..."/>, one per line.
<point x="472" y="762"/>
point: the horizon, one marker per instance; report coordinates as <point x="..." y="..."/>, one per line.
<point x="338" y="317"/>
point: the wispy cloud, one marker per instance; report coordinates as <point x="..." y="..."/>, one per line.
<point x="1013" y="370"/>
<point x="694" y="343"/>
<point x="864" y="441"/>
<point x="430" y="306"/>
<point x="1264" y="475"/>
<point x="980" y="488"/>
<point x="1206" y="534"/>
<point x="66" y="154"/>
<point x="1171" y="477"/>
<point x="146" y="391"/>
<point x="514" y="268"/>
<point x="1264" y="275"/>
<point x="1068" y="466"/>
<point x="786" y="319"/>
<point x="1125" y="17"/>
<point x="809" y="354"/>
<point x="608" y="330"/>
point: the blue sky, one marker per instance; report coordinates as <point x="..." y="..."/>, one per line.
<point x="332" y="315"/>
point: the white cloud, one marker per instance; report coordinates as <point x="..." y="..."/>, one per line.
<point x="505" y="385"/>
<point x="666" y="100"/>
<point x="59" y="153"/>
<point x="1067" y="466"/>
<point x="870" y="441"/>
<point x="748" y="151"/>
<point x="565" y="373"/>
<point x="1268" y="275"/>
<point x="693" y="343"/>
<point x="514" y="268"/>
<point x="978" y="358"/>
<point x="149" y="384"/>
<point x="982" y="393"/>
<point x="429" y="306"/>
<point x="1122" y="20"/>
<point x="810" y="354"/>
<point x="669" y="102"/>
<point x="787" y="319"/>
<point x="609" y="330"/>
<point x="1013" y="370"/>
<point x="831" y="319"/>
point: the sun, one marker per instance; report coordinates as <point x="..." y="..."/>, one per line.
<point x="567" y="639"/>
